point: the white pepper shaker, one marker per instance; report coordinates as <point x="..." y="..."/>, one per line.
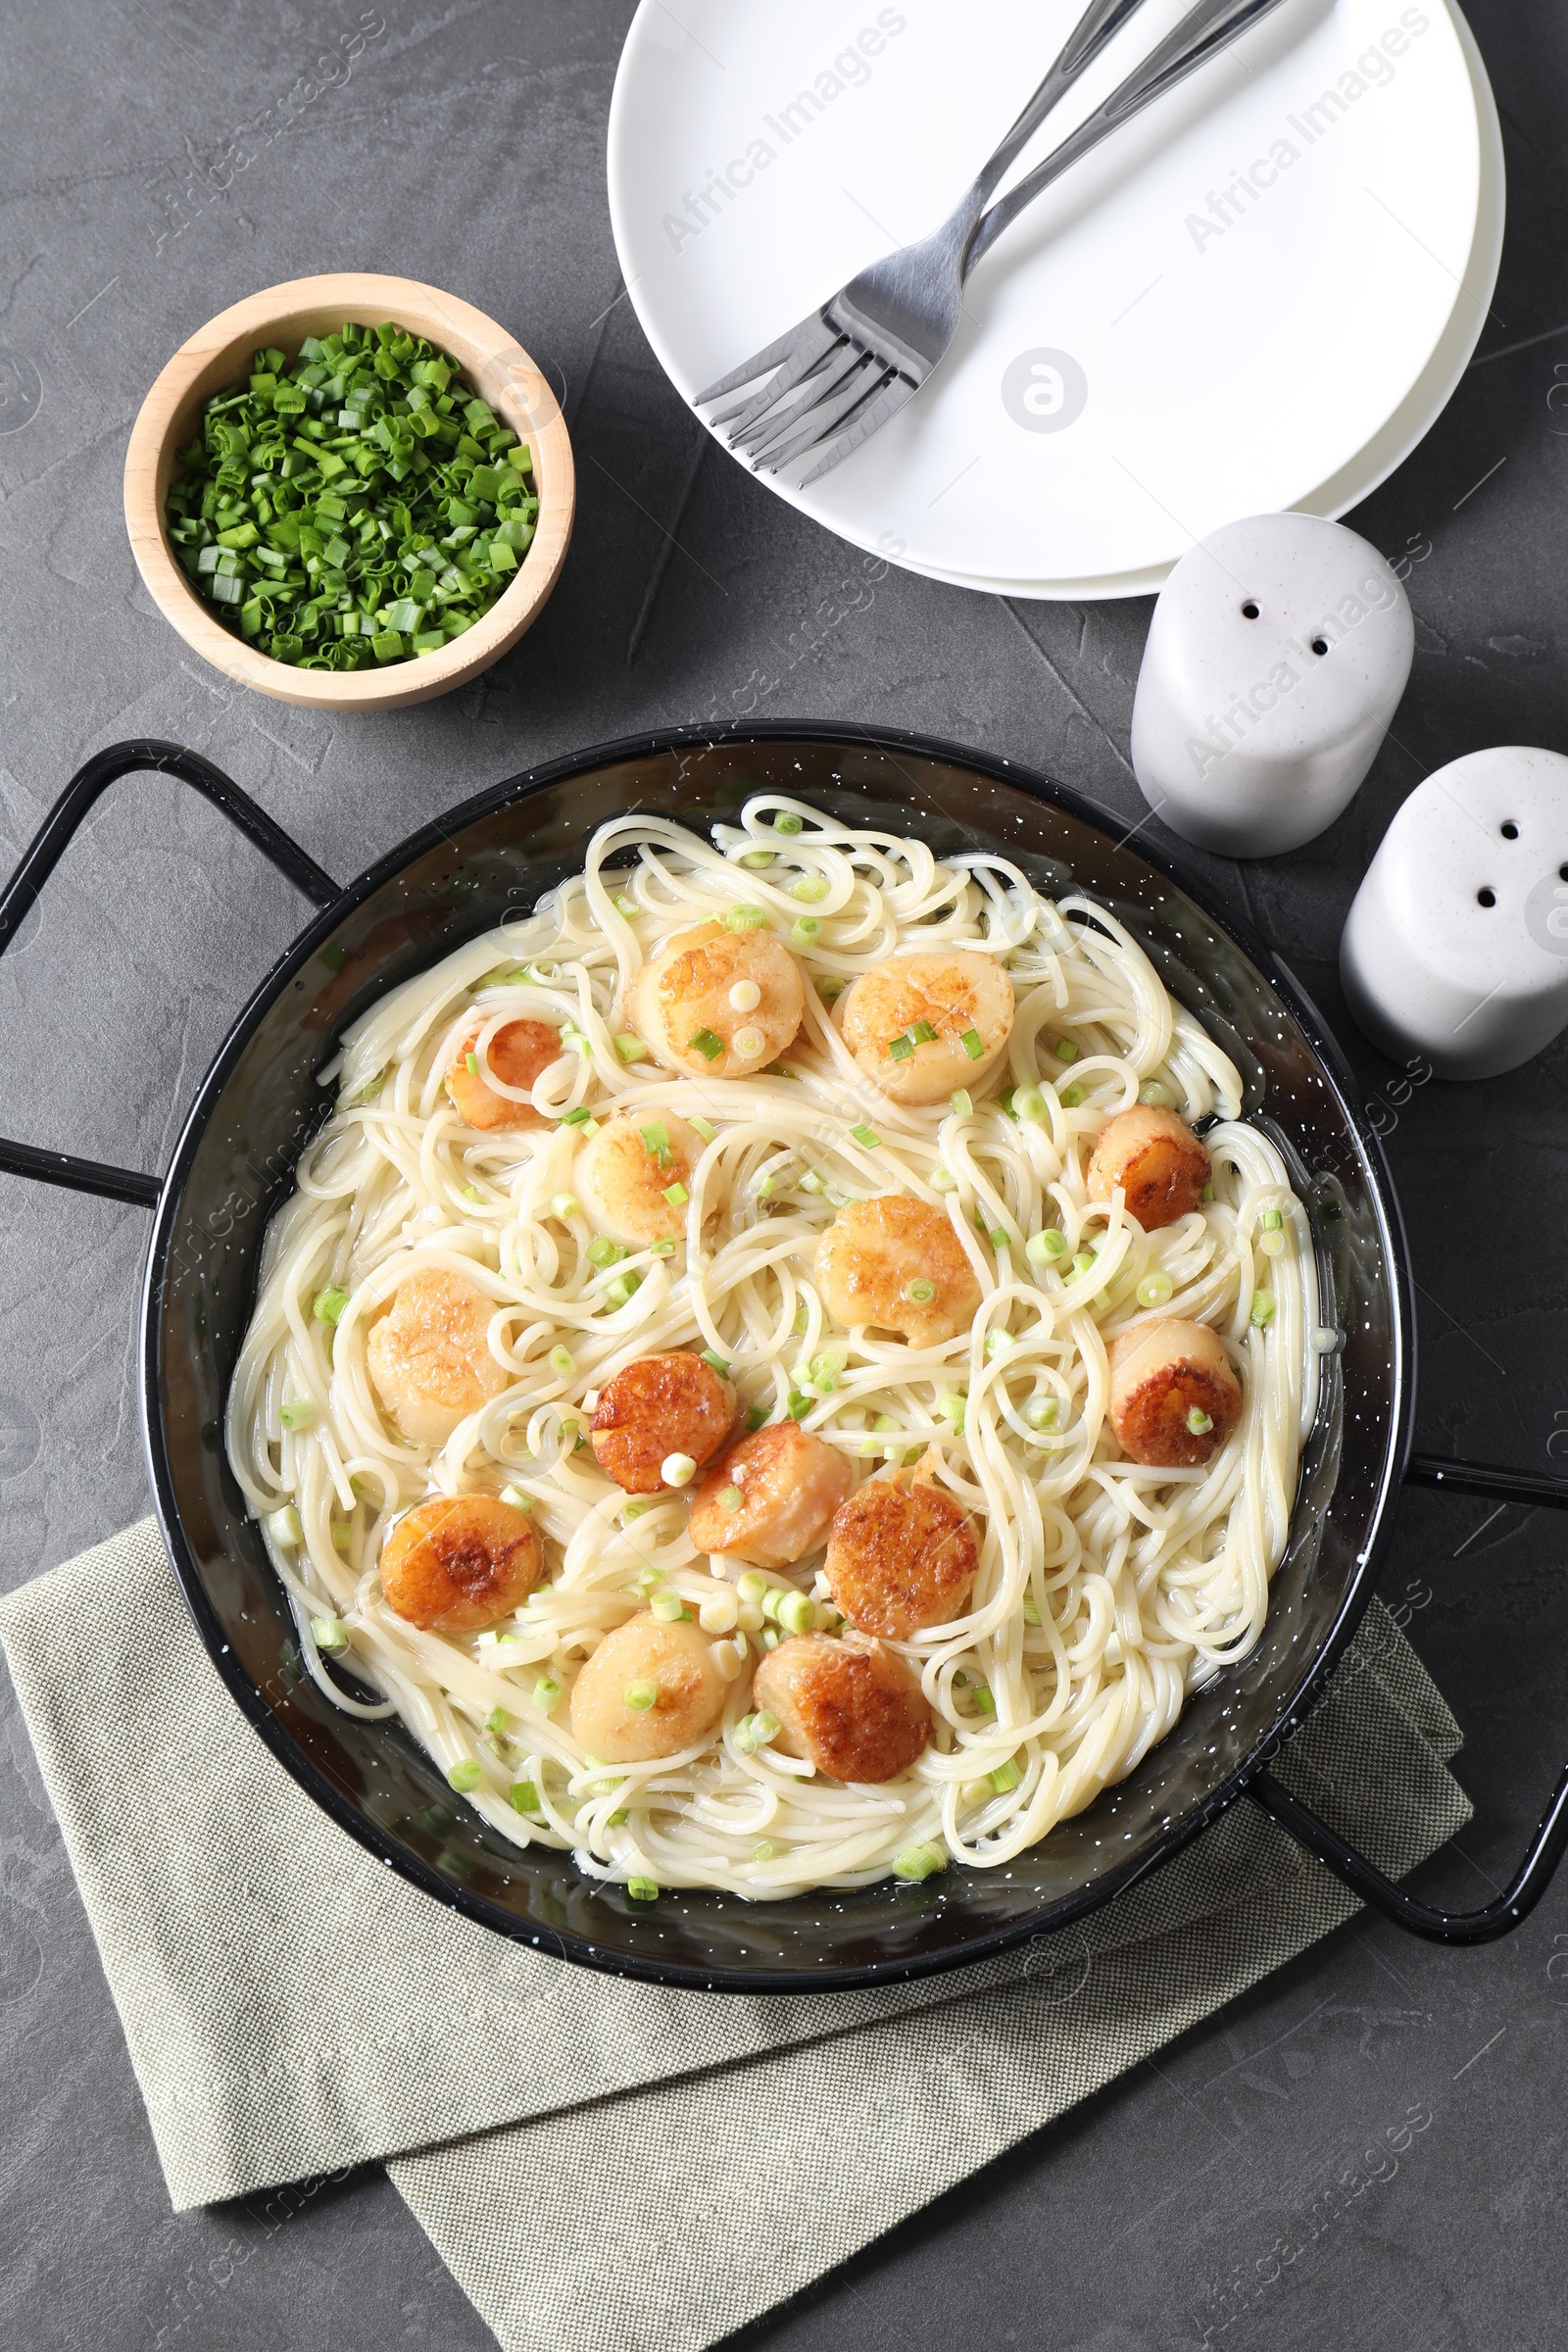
<point x="1276" y="659"/>
<point x="1457" y="943"/>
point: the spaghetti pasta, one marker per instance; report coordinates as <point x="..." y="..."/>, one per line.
<point x="1105" y="1591"/>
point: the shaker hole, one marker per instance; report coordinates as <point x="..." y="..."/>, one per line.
<point x="1249" y="611"/>
<point x="1486" y="898"/>
<point x="1509" y="831"/>
<point x="1320" y="646"/>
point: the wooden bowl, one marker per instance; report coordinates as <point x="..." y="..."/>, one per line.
<point x="501" y="372"/>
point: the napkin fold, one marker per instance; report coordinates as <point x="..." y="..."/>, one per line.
<point x="291" y="2006"/>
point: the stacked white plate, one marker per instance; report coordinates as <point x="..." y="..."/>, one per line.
<point x="1259" y="295"/>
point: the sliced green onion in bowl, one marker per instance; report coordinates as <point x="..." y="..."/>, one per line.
<point x="918" y="1862"/>
<point x="466" y="1775"/>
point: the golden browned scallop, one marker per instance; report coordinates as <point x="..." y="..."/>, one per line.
<point x="626" y="1174"/>
<point x="771" y="1498"/>
<point x="1174" y="1398"/>
<point x="428" y="1357"/>
<point x="954" y="994"/>
<point x="459" y="1563"/>
<point x="901" y="1556"/>
<point x="659" y="1420"/>
<point x="648" y="1689"/>
<point x="848" y="1706"/>
<point x="516" y="1054"/>
<point x="897" y="1264"/>
<point x="1157" y="1161"/>
<point x="716" y="1002"/>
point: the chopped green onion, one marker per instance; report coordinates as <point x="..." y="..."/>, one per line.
<point x="902" y="1049"/>
<point x="865" y="1135"/>
<point x="565" y="1205"/>
<point x="1273" y="1219"/>
<point x="763" y="1851"/>
<point x="677" y="1469"/>
<point x="715" y="1362"/>
<point x="643" y="1890"/>
<point x="576" y="1118"/>
<point x="1199" y="1422"/>
<point x="756" y="1416"/>
<point x="524" y="1797"/>
<point x="787" y="821"/>
<point x="329" y="1632"/>
<point x="704" y="1127"/>
<point x="984" y="1700"/>
<point x="1262" y="1308"/>
<point x="795" y="1613"/>
<point x="298" y="1413"/>
<point x="515" y="1497"/>
<point x="562" y="1362"/>
<point x="631" y="1049"/>
<point x="962" y="1103"/>
<point x="1271" y="1245"/>
<point x="730" y="1500"/>
<point x="707" y="1043"/>
<point x="1042" y="1248"/>
<point x="517" y="977"/>
<point x="622" y="905"/>
<point x="812" y="888"/>
<point x="1066" y="1049"/>
<point x="605" y="1252"/>
<point x="921" y="1291"/>
<point x="327" y="1306"/>
<point x="970" y="1042"/>
<point x="1006" y="1777"/>
<point x="497" y="1722"/>
<point x="656" y="1140"/>
<point x="623" y="1287"/>
<point x="472" y="1061"/>
<point x="466" y="1775"/>
<point x="758" y="860"/>
<point x="746" y="918"/>
<point x="669" y="1608"/>
<point x="676" y="1194"/>
<point x="1028" y="1103"/>
<point x="997" y="1343"/>
<point x="1070" y="1097"/>
<point x="1208" y="1193"/>
<point x="662" y="1249"/>
<point x="883" y="1423"/>
<point x="830" y="986"/>
<point x="951" y="1409"/>
<point x="943" y="1182"/>
<point x="1083" y="1262"/>
<point x="1031" y="1609"/>
<point x="1153" y="1093"/>
<point x="918" y="1862"/>
<point x="1155" y="1289"/>
<point x="921" y="1033"/>
<point x="544" y="1694"/>
<point x="747" y="1043"/>
<point x="283" y="1525"/>
<point x="804" y="929"/>
<point x="798" y="1406"/>
<point x="999" y="1236"/>
<point x="640" y="1696"/>
<point x="753" y="1588"/>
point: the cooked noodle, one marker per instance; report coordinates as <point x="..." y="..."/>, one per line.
<point x="1107" y="1592"/>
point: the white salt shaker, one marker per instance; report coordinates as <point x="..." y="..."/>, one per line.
<point x="1456" y="945"/>
<point x="1276" y="659"/>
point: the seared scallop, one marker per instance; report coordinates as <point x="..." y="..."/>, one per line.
<point x="1156" y="1160"/>
<point x="429" y="1357"/>
<point x="848" y="1706"/>
<point x="633" y="1178"/>
<point x="920" y="1025"/>
<point x="459" y="1563"/>
<point x="901" y="1556"/>
<point x="771" y="1498"/>
<point x="518" y="1053"/>
<point x="717" y="1002"/>
<point x="1174" y="1398"/>
<point x="897" y="1264"/>
<point x="659" y="1420"/>
<point x="648" y="1689"/>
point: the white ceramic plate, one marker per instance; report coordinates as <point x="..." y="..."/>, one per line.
<point x="758" y="157"/>
<point x="1410" y="423"/>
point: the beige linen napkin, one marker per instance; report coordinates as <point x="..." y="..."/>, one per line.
<point x="250" y="1944"/>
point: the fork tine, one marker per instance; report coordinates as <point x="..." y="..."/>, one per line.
<point x="839" y="365"/>
<point x="833" y="417"/>
<point x="773" y="355"/>
<point x="869" y="421"/>
<point x="803" y="364"/>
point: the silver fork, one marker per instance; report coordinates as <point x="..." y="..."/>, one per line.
<point x="856" y="362"/>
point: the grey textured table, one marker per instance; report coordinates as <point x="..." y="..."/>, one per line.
<point x="162" y="158"/>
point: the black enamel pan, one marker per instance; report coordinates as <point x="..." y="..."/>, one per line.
<point x="259" y="1102"/>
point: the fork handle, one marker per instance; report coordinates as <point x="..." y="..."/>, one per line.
<point x="1100" y="22"/>
<point x="1203" y="33"/>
